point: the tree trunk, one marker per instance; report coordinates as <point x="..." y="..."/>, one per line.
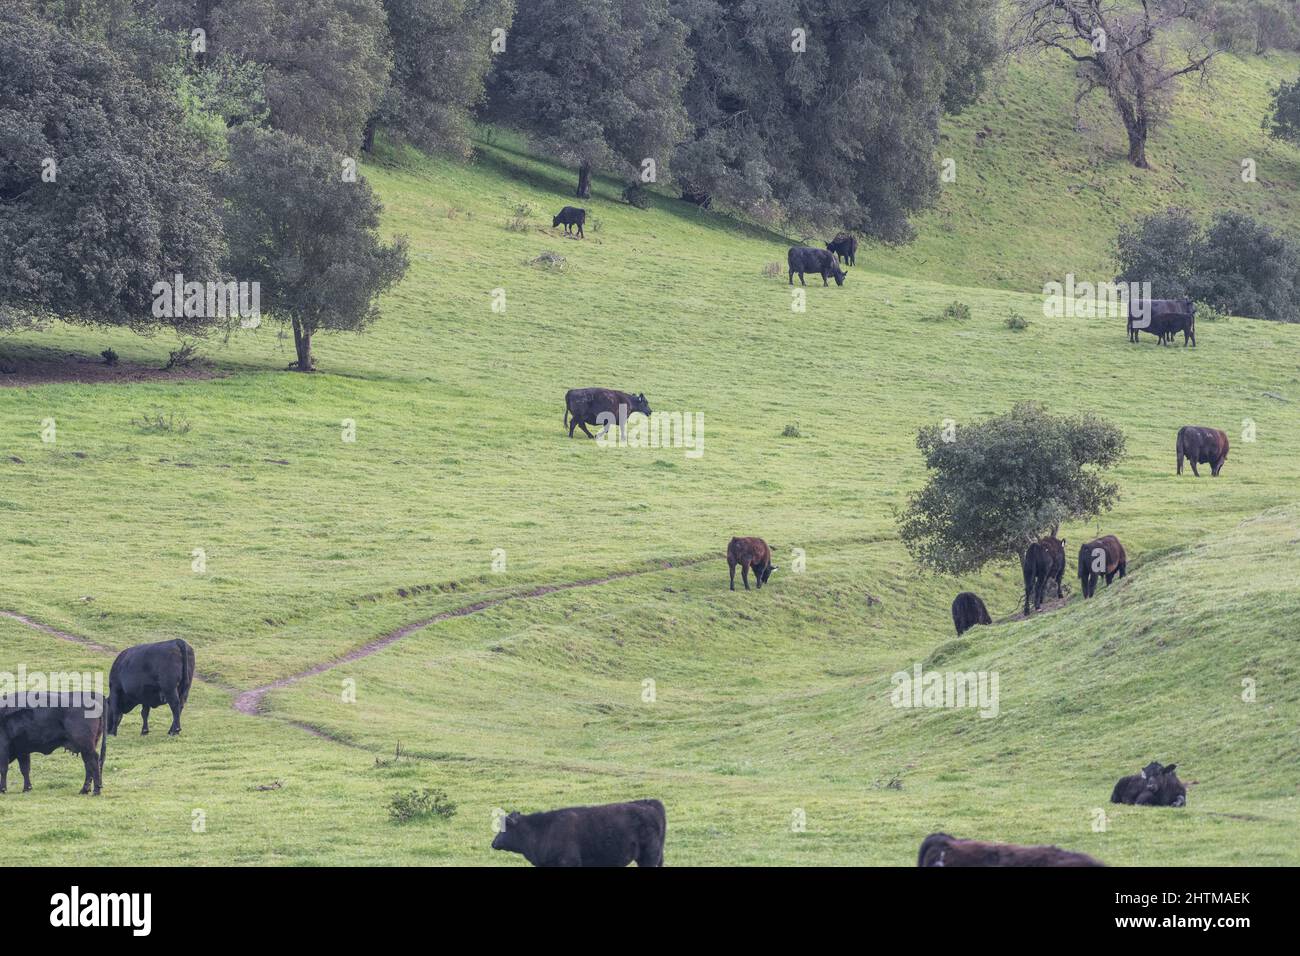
<point x="1133" y="115"/>
<point x="302" y="345"/>
<point x="584" y="180"/>
<point x="701" y="199"/>
<point x="368" y="136"/>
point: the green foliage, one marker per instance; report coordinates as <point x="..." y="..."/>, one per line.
<point x="1016" y="322"/>
<point x="842" y="134"/>
<point x="791" y="431"/>
<point x="999" y="483"/>
<point x="162" y="422"/>
<point x="1283" y="119"/>
<point x="104" y="189"/>
<point x="519" y="216"/>
<point x="634" y="194"/>
<point x="955" y="312"/>
<point x="414" y="805"/>
<point x="297" y="225"/>
<point x="1205" y="312"/>
<point x="110" y="357"/>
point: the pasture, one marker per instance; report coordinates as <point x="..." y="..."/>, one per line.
<point x="767" y="704"/>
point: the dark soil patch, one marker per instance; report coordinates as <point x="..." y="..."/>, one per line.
<point x="31" y="367"/>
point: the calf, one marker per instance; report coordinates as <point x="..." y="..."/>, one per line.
<point x="845" y="247"/>
<point x="750" y="553"/>
<point x="820" y="262"/>
<point x="1099" y="556"/>
<point x="967" y="611"/>
<point x="1042" y="562"/>
<point x="150" y="675"/>
<point x="1153" y="785"/>
<point x="601" y="406"/>
<point x="615" y="834"/>
<point x="569" y="217"/>
<point x="1162" y="318"/>
<point x="72" y="721"/>
<point x="1202" y="446"/>
<point x="939" y="849"/>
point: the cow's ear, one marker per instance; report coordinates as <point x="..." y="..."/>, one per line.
<point x="1170" y="768"/>
<point x="1143" y="773"/>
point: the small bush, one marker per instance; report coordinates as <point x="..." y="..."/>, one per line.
<point x="772" y="270"/>
<point x="159" y="422"/>
<point x="791" y="431"/>
<point x="110" y="357"/>
<point x="184" y="357"/>
<point x="419" y="805"/>
<point x="518" y="221"/>
<point x="1204" y="312"/>
<point x="1017" y="322"/>
<point x="637" y="195"/>
<point x="593" y="224"/>
<point x="550" y="261"/>
<point x="956" y="311"/>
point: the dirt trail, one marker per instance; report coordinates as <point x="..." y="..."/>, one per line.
<point x="61" y="635"/>
<point x="250" y="701"/>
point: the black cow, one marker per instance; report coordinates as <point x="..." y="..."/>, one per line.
<point x="1164" y="318"/>
<point x="1043" y="561"/>
<point x="939" y="849"/>
<point x="150" y="675"/>
<point x="967" y="611"/>
<point x="72" y="721"/>
<point x="845" y="247"/>
<point x="820" y="262"/>
<point x="750" y="553"/>
<point x="1154" y="786"/>
<point x="615" y="834"/>
<point x="1202" y="446"/>
<point x="1115" y="562"/>
<point x="569" y="217"/>
<point x="601" y="406"/>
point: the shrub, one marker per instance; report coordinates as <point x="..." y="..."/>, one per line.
<point x="637" y="195"/>
<point x="791" y="431"/>
<point x="1204" y="312"/>
<point x="1017" y="322"/>
<point x="158" y="421"/>
<point x="110" y="357"/>
<point x="956" y="311"/>
<point x="550" y="261"/>
<point x="183" y="357"/>
<point x="772" y="270"/>
<point x="419" y="805"/>
<point x="518" y="221"/>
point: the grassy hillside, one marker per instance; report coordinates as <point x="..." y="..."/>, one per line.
<point x="765" y="702"/>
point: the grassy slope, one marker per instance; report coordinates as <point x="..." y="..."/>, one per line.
<point x="766" y="702"/>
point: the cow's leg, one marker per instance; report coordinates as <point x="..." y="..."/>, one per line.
<point x="1059" y="592"/>
<point x="25" y="765"/>
<point x="733" y="574"/>
<point x="581" y="235"/>
<point x="583" y="426"/>
<point x="744" y="574"/>
<point x="573" y="423"/>
<point x="144" y="712"/>
<point x="792" y="277"/>
<point x="4" y="776"/>
<point x="801" y="282"/>
<point x="604" y="431"/>
<point x="98" y="769"/>
<point x="1123" y="570"/>
<point x="174" y="702"/>
<point x="91" y="760"/>
<point x="1194" y="471"/>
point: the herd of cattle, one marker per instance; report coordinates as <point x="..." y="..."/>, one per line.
<point x="151" y="675"/>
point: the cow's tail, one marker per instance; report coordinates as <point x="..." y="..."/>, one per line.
<point x="566" y="414"/>
<point x="103" y="741"/>
<point x="1180" y="451"/>
<point x="186" y="675"/>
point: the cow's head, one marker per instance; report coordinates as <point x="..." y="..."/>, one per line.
<point x="111" y="717"/>
<point x="767" y="572"/>
<point x="1169" y="790"/>
<point x="639" y="404"/>
<point x="509" y="837"/>
<point x="556" y="221"/>
<point x="838" y="273"/>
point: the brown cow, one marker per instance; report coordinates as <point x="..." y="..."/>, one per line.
<point x="1202" y="446"/>
<point x="967" y="611"/>
<point x="601" y="406"/>
<point x="750" y="553"/>
<point x="1091" y="553"/>
<point x="939" y="849"/>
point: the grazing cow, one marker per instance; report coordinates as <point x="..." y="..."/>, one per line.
<point x="72" y="721"/>
<point x="601" y="406"/>
<point x="820" y="262"/>
<point x="615" y="834"/>
<point x="967" y="611"/>
<point x="1164" y="317"/>
<point x="1202" y="446"/>
<point x="1153" y="785"/>
<point x="1043" y="561"/>
<point x="150" y="675"/>
<point x="750" y="553"/>
<point x="1104" y="552"/>
<point x="845" y="247"/>
<point x="569" y="217"/>
<point x="939" y="849"/>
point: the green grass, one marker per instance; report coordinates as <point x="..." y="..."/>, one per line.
<point x="766" y="702"/>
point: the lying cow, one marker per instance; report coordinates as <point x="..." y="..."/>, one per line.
<point x="1162" y="317"/>
<point x="150" y="675"/>
<point x="569" y="217"/>
<point x="601" y="406"/>
<point x="72" y="721"/>
<point x="1043" y="561"/>
<point x="845" y="247"/>
<point x="1202" y="446"/>
<point x="939" y="849"/>
<point x="1153" y="785"/>
<point x="820" y="262"/>
<point x="615" y="834"/>
<point x="1104" y="555"/>
<point x="967" y="611"/>
<point x="750" y="553"/>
